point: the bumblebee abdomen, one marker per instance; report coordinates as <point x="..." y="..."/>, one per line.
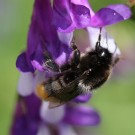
<point x="41" y="91"/>
<point x="44" y="94"/>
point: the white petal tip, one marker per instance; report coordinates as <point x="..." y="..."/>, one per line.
<point x="25" y="84"/>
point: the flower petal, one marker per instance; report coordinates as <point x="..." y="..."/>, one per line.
<point x="71" y="15"/>
<point x="81" y="115"/>
<point x="65" y="38"/>
<point x="105" y="16"/>
<point x="106" y="40"/>
<point x="110" y="15"/>
<point x="43" y="37"/>
<point x="24" y="126"/>
<point x="22" y="63"/>
<point x="38" y="79"/>
<point x="61" y="17"/>
<point x="25" y="84"/>
<point x="43" y="130"/>
<point x="26" y="118"/>
<point x="37" y="65"/>
<point x="52" y="116"/>
<point x="83" y="98"/>
<point x="37" y="58"/>
<point x="122" y="9"/>
<point x="65" y="129"/>
<point x="32" y="104"/>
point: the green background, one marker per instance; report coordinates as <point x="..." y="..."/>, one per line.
<point x="115" y="100"/>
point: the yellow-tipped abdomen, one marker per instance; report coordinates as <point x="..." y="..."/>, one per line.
<point x="41" y="92"/>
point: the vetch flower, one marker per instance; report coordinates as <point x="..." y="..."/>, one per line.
<point x="64" y="16"/>
<point x="45" y="39"/>
<point x="79" y="14"/>
<point x="35" y="118"/>
<point x="26" y="118"/>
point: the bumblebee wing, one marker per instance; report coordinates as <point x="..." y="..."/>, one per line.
<point x="69" y="92"/>
<point x="66" y="94"/>
<point x="57" y="91"/>
<point x="55" y="104"/>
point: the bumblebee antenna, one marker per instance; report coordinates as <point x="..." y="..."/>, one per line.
<point x="99" y="38"/>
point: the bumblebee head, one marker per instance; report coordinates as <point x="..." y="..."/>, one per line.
<point x="102" y="53"/>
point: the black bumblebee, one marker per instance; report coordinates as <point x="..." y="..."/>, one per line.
<point x="81" y="75"/>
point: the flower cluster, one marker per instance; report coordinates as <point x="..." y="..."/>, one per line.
<point x="51" y="31"/>
<point x="34" y="118"/>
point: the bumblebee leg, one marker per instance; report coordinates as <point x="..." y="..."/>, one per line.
<point x="76" y="55"/>
<point x="75" y="58"/>
<point x="49" y="63"/>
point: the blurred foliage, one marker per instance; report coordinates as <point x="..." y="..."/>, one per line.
<point x="115" y="100"/>
<point x="133" y="11"/>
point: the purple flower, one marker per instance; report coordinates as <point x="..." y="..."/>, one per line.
<point x="34" y="118"/>
<point x="64" y="16"/>
<point x="79" y="14"/>
<point x="45" y="37"/>
<point x="26" y="117"/>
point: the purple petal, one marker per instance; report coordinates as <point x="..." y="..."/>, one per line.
<point x="37" y="65"/>
<point x="37" y="58"/>
<point x="22" y="63"/>
<point x="61" y="16"/>
<point x="43" y="130"/>
<point x="81" y="15"/>
<point x="105" y="16"/>
<point x="123" y="10"/>
<point x="33" y="105"/>
<point x="26" y="119"/>
<point x="65" y="38"/>
<point x="24" y="126"/>
<point x="66" y="129"/>
<point x="110" y="15"/>
<point x="43" y="37"/>
<point x="48" y="33"/>
<point x="83" y="98"/>
<point x="71" y="15"/>
<point x="52" y="116"/>
<point x="81" y="115"/>
<point x="39" y="25"/>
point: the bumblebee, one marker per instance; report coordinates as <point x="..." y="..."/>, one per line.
<point x="81" y="75"/>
